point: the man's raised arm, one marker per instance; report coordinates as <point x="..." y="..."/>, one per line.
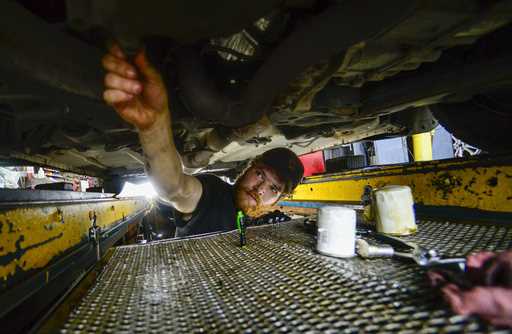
<point x="137" y="92"/>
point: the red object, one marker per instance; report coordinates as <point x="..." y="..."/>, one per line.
<point x="313" y="163"/>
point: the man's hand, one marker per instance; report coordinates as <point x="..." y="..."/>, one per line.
<point x="487" y="288"/>
<point x="135" y="90"/>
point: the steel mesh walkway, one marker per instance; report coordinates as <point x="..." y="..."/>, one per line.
<point x="276" y="284"/>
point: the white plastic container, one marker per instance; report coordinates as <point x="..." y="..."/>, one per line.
<point x="394" y="210"/>
<point x="336" y="231"/>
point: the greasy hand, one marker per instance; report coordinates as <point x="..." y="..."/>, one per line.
<point x="135" y="89"/>
<point x="490" y="291"/>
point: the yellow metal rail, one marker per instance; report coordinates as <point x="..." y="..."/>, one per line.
<point x="478" y="183"/>
<point x="31" y="236"/>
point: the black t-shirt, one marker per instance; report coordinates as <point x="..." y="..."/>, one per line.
<point x="215" y="212"/>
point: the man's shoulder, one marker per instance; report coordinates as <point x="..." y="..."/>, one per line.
<point x="213" y="180"/>
<point x="215" y="210"/>
<point x="216" y="193"/>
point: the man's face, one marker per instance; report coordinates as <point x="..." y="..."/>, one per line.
<point x="257" y="190"/>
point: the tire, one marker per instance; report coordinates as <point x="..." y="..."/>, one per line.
<point x="345" y="163"/>
<point x="478" y="125"/>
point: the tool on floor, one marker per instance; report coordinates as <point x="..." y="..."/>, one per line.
<point x="394" y="246"/>
<point x="240" y="225"/>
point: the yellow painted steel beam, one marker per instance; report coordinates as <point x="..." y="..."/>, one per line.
<point x="422" y="146"/>
<point x="31" y="236"/>
<point x="478" y="184"/>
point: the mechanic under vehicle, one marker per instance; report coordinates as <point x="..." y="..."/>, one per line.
<point x="263" y="131"/>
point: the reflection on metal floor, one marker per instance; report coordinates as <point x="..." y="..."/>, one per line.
<point x="277" y="283"/>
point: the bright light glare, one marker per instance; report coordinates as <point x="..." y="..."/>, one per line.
<point x="135" y="190"/>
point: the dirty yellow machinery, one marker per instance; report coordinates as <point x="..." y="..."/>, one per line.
<point x="477" y="188"/>
<point x="49" y="240"/>
<point x="53" y="281"/>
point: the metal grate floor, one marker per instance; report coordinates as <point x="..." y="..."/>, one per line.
<point x="275" y="284"/>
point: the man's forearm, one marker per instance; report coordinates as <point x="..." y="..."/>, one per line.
<point x="137" y="92"/>
<point x="163" y="159"/>
<point x="165" y="169"/>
